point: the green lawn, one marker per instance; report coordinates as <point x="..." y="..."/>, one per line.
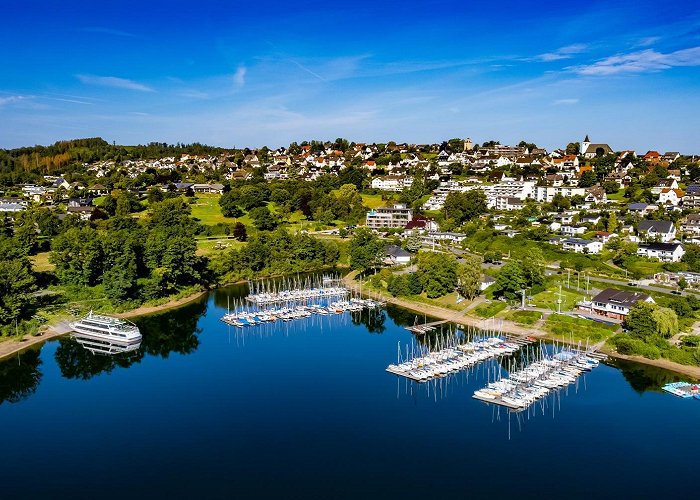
<point x="570" y="328"/>
<point x="548" y="299"/>
<point x="524" y="317"/>
<point x="489" y="310"/>
<point x="40" y="262"/>
<point x="215" y="247"/>
<point x="373" y="200"/>
<point x="206" y="209"/>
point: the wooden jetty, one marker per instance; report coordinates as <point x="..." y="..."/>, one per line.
<point x="426" y="327"/>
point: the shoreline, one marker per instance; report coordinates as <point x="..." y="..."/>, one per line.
<point x="507" y="326"/>
<point x="13" y="346"/>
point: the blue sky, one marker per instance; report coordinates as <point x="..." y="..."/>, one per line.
<point x="253" y="73"/>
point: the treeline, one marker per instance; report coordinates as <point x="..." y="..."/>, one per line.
<point x="24" y="164"/>
<point x="327" y="199"/>
<point x="133" y="261"/>
<point x="276" y="252"/>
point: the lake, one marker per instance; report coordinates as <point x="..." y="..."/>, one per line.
<point x="306" y="409"/>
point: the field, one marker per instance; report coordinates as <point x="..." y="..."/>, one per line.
<point x="207" y="210"/>
<point x="40" y="262"/>
<point x="489" y="310"/>
<point x="578" y="329"/>
<point x="373" y="200"/>
<point x="214" y="247"/>
<point x="524" y="317"/>
<point x="548" y="299"/>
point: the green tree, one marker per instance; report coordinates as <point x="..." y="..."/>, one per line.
<point x="239" y="231"/>
<point x="588" y="179"/>
<point x="510" y="281"/>
<point x="469" y="277"/>
<point x="437" y="272"/>
<point x="16" y="282"/>
<point x="365" y="249"/>
<point x="229" y="204"/>
<point x="640" y="322"/>
<point x="573" y="148"/>
<point x="263" y="219"/>
<point x="612" y="223"/>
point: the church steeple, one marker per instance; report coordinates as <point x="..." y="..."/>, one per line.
<point x="587" y="139"/>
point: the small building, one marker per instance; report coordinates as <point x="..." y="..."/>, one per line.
<point x="486" y="281"/>
<point x="420" y="224"/>
<point x="614" y="303"/>
<point x="395" y="255"/>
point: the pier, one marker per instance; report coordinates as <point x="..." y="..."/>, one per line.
<point x="539" y="379"/>
<point x="427" y="365"/>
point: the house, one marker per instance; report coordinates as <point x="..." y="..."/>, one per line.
<point x="449" y="237"/>
<point x="641" y="208"/>
<point x="671" y="156"/>
<point x="665" y="252"/>
<point x="595" y="195"/>
<point x="664" y="184"/>
<point x="589" y="150"/>
<point x="397" y="216"/>
<point x="98" y="190"/>
<point x="580" y="245"/>
<point x="84" y="212"/>
<point x="691" y="199"/>
<point x="604" y="236"/>
<point x="652" y="157"/>
<point x="657" y="230"/>
<point x="615" y="304"/>
<point x="10" y="207"/>
<point x="60" y="183"/>
<point x="671" y="197"/>
<point x="422" y="224"/>
<point x="391" y="183"/>
<point x="572" y="230"/>
<point x="396" y="256"/>
<point x="486" y="281"/>
<point x="79" y="202"/>
<point x="591" y="219"/>
<point x="208" y="188"/>
<point x="691" y="224"/>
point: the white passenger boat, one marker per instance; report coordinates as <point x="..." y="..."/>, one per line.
<point x="107" y="329"/>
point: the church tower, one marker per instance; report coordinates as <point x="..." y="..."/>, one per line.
<point x="468" y="145"/>
<point x="584" y="145"/>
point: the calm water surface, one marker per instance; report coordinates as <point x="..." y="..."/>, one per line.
<point x="305" y="409"/>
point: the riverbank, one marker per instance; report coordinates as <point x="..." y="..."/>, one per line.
<point x="13" y="346"/>
<point x="461" y="318"/>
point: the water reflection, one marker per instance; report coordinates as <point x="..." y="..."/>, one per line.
<point x="173" y="331"/>
<point x="373" y="319"/>
<point x="645" y="378"/>
<point x="20" y="376"/>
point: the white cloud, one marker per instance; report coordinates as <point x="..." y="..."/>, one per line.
<point x="562" y="53"/>
<point x="641" y="62"/>
<point x="239" y="76"/>
<point x="11" y="99"/>
<point x="560" y="102"/>
<point x="115" y="82"/>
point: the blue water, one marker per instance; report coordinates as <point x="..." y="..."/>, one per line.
<point x="305" y="409"/>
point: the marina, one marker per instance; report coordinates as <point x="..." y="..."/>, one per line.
<point x="311" y="398"/>
<point x="420" y="363"/>
<point x="524" y="386"/>
<point x="288" y="300"/>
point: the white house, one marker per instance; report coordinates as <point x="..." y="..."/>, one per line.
<point x="669" y="196"/>
<point x="579" y="245"/>
<point x="615" y="303"/>
<point x="657" y="230"/>
<point x="572" y="230"/>
<point x="665" y="252"/>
